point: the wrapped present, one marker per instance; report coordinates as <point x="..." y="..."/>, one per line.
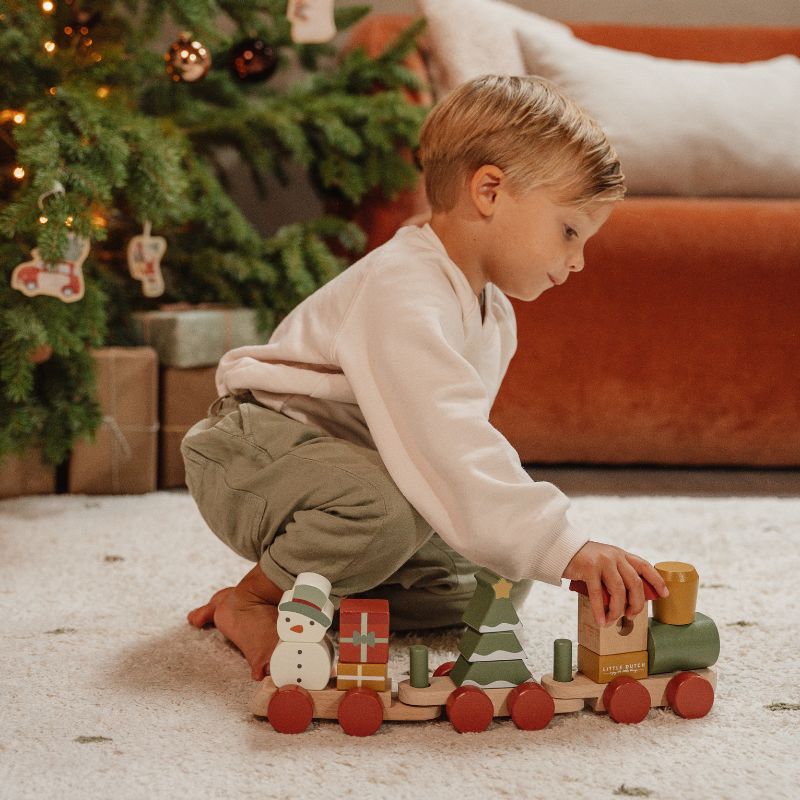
<point x="196" y="336"/>
<point x="122" y="457"/>
<point x="186" y="395"/>
<point x="370" y="676"/>
<point x="26" y="474"/>
<point x="364" y="631"/>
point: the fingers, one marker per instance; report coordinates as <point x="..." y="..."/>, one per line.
<point x="633" y="583"/>
<point x="595" y="589"/>
<point x="617" y="592"/>
<point x="653" y="577"/>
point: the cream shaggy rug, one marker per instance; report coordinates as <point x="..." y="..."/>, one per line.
<point x="107" y="692"/>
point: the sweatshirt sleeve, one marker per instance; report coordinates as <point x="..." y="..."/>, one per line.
<point x="401" y="347"/>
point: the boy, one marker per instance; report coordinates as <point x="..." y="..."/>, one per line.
<point x="356" y="443"/>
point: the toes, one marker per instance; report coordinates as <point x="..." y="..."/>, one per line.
<point x="259" y="669"/>
<point x="204" y="615"/>
<point x="201" y="616"/>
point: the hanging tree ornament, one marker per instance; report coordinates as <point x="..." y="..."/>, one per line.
<point x="312" y="21"/>
<point x="62" y="279"/>
<point x="187" y="59"/>
<point x="144" y="261"/>
<point x="253" y="60"/>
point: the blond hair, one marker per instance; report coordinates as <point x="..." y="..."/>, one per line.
<point x="525" y="126"/>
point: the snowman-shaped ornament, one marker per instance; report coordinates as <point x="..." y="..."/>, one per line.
<point x="304" y="654"/>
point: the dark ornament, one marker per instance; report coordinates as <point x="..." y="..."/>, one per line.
<point x="253" y="60"/>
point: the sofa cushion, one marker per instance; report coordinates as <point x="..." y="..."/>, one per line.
<point x="683" y="127"/>
<point x="680" y="127"/>
<point x="468" y="38"/>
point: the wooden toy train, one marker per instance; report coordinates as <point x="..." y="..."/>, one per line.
<point x="624" y="669"/>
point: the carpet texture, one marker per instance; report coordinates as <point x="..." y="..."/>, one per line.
<point x="107" y="692"/>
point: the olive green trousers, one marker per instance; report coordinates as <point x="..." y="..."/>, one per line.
<point x="295" y="499"/>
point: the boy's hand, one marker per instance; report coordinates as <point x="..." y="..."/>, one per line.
<point x="601" y="565"/>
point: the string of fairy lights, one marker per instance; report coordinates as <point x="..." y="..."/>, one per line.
<point x="187" y="60"/>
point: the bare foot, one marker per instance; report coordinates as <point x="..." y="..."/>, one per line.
<point x="245" y="617"/>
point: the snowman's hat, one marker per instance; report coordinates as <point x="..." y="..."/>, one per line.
<point x="309" y="596"/>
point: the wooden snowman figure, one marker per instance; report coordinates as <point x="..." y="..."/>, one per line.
<point x="304" y="654"/>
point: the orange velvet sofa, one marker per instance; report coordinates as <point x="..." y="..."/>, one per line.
<point x="679" y="344"/>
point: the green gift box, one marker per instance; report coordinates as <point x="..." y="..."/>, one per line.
<point x="192" y="336"/>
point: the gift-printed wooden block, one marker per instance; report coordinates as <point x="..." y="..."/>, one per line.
<point x="370" y="676"/>
<point x="364" y="631"/>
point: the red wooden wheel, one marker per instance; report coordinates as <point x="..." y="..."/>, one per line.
<point x="690" y="695"/>
<point x="360" y="712"/>
<point x="469" y="709"/>
<point x="626" y="700"/>
<point x="531" y="706"/>
<point x="443" y="669"/>
<point x="290" y="709"/>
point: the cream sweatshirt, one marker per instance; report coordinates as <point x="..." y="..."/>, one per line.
<point x="393" y="354"/>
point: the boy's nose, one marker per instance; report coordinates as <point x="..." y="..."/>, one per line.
<point x="577" y="265"/>
<point x="296" y="628"/>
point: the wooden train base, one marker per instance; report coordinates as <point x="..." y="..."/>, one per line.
<point x="531" y="705"/>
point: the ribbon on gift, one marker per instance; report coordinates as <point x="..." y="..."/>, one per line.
<point x="365" y="638"/>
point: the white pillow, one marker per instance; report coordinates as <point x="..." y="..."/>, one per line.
<point x="468" y="38"/>
<point x="683" y="127"/>
<point x="679" y="127"/>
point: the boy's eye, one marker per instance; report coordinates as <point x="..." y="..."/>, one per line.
<point x="570" y="232"/>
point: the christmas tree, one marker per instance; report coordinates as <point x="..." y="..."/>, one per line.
<point x="109" y="156"/>
<point x="491" y="655"/>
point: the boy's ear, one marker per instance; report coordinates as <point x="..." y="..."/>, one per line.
<point x="483" y="188"/>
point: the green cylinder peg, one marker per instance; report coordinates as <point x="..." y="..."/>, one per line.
<point x="562" y="660"/>
<point x="418" y="668"/>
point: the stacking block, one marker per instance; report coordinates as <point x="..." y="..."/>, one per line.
<point x="364" y="631"/>
<point x="604" y="668"/>
<point x="562" y="660"/>
<point x="499" y="646"/>
<point x="624" y="636"/>
<point x="682" y="581"/>
<point x="490" y="674"/>
<point x="418" y="666"/>
<point x="305" y="664"/>
<point x="674" y="647"/>
<point x="490" y="608"/>
<point x="368" y="676"/>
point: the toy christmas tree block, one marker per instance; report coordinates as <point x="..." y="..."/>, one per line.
<point x="490" y="608"/>
<point x="603" y="669"/>
<point x="370" y="676"/>
<point x="624" y="636"/>
<point x="490" y="674"/>
<point x="500" y="646"/>
<point x="364" y="631"/>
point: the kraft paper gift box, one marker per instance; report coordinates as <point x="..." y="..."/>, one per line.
<point x="364" y="631"/>
<point x="26" y="474"/>
<point x="186" y="395"/>
<point x="369" y="676"/>
<point x="123" y="457"/>
<point x="187" y="336"/>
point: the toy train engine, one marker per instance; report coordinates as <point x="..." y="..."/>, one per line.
<point x="676" y="639"/>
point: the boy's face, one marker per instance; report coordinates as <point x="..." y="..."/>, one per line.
<point x="534" y="243"/>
